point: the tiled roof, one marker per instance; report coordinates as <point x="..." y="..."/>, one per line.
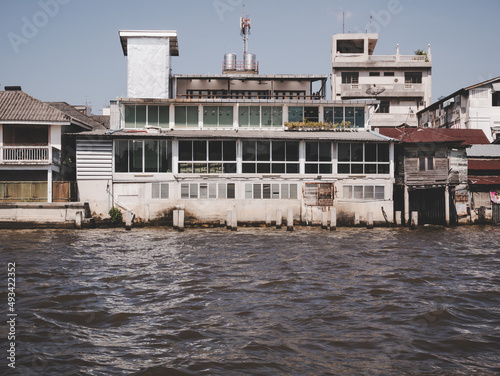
<point x="431" y="135"/>
<point x="19" y="106"/>
<point x="77" y="116"/>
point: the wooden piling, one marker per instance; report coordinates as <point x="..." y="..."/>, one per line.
<point x="333" y="219"/>
<point x="279" y="219"/>
<point x="289" y="220"/>
<point x="369" y="222"/>
<point x="181" y="220"/>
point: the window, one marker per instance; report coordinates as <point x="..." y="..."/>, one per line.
<point x="249" y="116"/>
<point x="264" y="157"/>
<point x="186" y="116"/>
<point x="160" y="190"/>
<point x="271" y="191"/>
<point x="374" y="74"/>
<point x="318" y="158"/>
<point x="202" y="157"/>
<point x="143" y="156"/>
<point x="358" y="158"/>
<point x="256" y="116"/>
<point x="217" y="116"/>
<point x="363" y="192"/>
<point x="138" y="116"/>
<point x="349" y="117"/>
<point x="496" y="99"/>
<point x="384" y="107"/>
<point x="350" y="77"/>
<point x="299" y="114"/>
<point x="413" y="77"/>
<point x="272" y="116"/>
<point x="388" y="74"/>
<point x="426" y="163"/>
<point x="208" y="191"/>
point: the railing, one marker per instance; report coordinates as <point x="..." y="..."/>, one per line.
<point x="382" y="58"/>
<point x="30" y="154"/>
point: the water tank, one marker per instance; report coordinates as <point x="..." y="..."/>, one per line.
<point x="230" y="62"/>
<point x="250" y="62"/>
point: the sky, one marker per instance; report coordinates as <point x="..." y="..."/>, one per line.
<point x="69" y="50"/>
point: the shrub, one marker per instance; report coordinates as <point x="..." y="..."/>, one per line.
<point x="116" y="216"/>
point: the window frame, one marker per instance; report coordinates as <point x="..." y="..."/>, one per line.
<point x="163" y="156"/>
<point x="130" y="110"/>
<point x="288" y="163"/>
<point x="207" y="163"/>
<point x="361" y="164"/>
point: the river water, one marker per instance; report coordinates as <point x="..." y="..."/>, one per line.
<point x="254" y="302"/>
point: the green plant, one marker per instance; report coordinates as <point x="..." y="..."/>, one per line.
<point x="116" y="216"/>
<point x="420" y="52"/>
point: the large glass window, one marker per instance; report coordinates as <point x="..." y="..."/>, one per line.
<point x="186" y="116"/>
<point x="272" y="116"/>
<point x="202" y="157"/>
<point x="143" y="156"/>
<point x="277" y="157"/>
<point x="217" y="116"/>
<point x="249" y="116"/>
<point x="318" y="157"/>
<point x="138" y="116"/>
<point x="358" y="158"/>
<point x="349" y="117"/>
<point x="413" y="77"/>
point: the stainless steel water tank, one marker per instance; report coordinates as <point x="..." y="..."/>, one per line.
<point x="230" y="62"/>
<point x="250" y="62"/>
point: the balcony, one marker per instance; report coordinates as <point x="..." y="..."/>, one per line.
<point x="356" y="60"/>
<point x="30" y="155"/>
<point x="389" y="90"/>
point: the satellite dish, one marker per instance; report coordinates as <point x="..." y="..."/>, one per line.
<point x="374" y="90"/>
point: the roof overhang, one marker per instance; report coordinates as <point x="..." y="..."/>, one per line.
<point x="171" y="34"/>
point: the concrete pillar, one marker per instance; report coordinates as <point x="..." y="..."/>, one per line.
<point x="279" y="219"/>
<point x="229" y="220"/>
<point x="324" y="220"/>
<point x="289" y="220"/>
<point x="175" y="219"/>
<point x="49" y="185"/>
<point x="181" y="220"/>
<point x="78" y="219"/>
<point x="128" y="220"/>
<point x="333" y="219"/>
<point x="356" y="219"/>
<point x="397" y="220"/>
<point x="447" y="205"/>
<point x="407" y="205"/>
<point x="234" y="220"/>
<point x="268" y="219"/>
<point x="414" y="220"/>
<point x="369" y="222"/>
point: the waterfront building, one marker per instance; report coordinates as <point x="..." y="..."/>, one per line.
<point x="431" y="175"/>
<point x="257" y="144"/>
<point x="473" y="107"/>
<point x="402" y="83"/>
<point x="36" y="156"/>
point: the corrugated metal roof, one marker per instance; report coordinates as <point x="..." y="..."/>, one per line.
<point x="77" y="116"/>
<point x="344" y="135"/>
<point x="488" y="151"/>
<point x="440" y="135"/>
<point x="19" y="106"/>
<point x="484" y="164"/>
<point x="484" y="180"/>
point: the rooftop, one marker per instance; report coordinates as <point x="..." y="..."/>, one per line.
<point x="171" y="34"/>
<point x="464" y="137"/>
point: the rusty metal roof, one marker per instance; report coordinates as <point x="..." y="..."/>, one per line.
<point x="19" y="106"/>
<point x="465" y="137"/>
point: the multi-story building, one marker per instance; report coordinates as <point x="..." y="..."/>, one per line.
<point x="402" y="83"/>
<point x="473" y="107"/>
<point x="237" y="140"/>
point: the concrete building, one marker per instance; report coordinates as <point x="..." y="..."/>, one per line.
<point x="257" y="144"/>
<point x="35" y="161"/>
<point x="473" y="107"/>
<point x="402" y="83"/>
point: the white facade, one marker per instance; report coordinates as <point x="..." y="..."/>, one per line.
<point x="401" y="82"/>
<point x="473" y="107"/>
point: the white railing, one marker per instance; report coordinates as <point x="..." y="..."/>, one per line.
<point x="26" y="154"/>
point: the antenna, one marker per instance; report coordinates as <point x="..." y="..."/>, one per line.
<point x="343" y="22"/>
<point x="245" y="30"/>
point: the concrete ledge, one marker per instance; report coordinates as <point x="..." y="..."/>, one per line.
<point x="43" y="214"/>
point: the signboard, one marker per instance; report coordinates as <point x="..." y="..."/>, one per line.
<point x="318" y="194"/>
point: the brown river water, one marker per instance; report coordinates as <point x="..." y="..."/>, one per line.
<point x="387" y="301"/>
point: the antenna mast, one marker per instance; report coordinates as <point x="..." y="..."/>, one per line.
<point x="245" y="30"/>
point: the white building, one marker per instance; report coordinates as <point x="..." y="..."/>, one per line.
<point x="473" y="107"/>
<point x="401" y="82"/>
<point x="213" y="143"/>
